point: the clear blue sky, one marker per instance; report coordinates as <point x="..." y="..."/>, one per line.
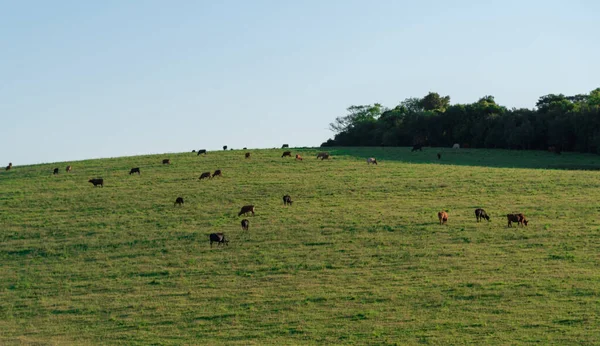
<point x="88" y="79"/>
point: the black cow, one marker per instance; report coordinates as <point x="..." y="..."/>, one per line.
<point x="55" y="171"/>
<point x="179" y="201"/>
<point x="217" y="173"/>
<point x="247" y="209"/>
<point x="97" y="182"/>
<point x="286" y="153"/>
<point x="285" y="146"/>
<point x="439" y="156"/>
<point x="135" y="170"/>
<point x="166" y="162"/>
<point x="201" y="151"/>
<point x="247" y="155"/>
<point x="481" y="214"/>
<point x="204" y="175"/>
<point x="417" y="147"/>
<point x="224" y="147"/>
<point x="218" y="238"/>
<point x="9" y="166"/>
<point x="287" y="200"/>
<point x="245" y="224"/>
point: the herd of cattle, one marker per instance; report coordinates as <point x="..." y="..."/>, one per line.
<point x="219" y="238"/>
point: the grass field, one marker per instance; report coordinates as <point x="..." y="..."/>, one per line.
<point x="359" y="258"/>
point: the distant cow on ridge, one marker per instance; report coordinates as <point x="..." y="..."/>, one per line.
<point x="135" y="170"/>
<point x="201" y="151"/>
<point x="285" y="146"/>
<point x="320" y="155"/>
<point x="55" y="171"/>
<point x="247" y="155"/>
<point x="9" y="166"/>
<point x="247" y="209"/>
<point x="97" y="182"/>
<point x="287" y="153"/>
<point x="166" y="162"/>
<point x="224" y="147"/>
<point x="372" y="160"/>
<point x="69" y="168"/>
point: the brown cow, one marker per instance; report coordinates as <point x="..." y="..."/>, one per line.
<point x="245" y="224"/>
<point x="518" y="218"/>
<point x="287" y="153"/>
<point x="9" y="166"/>
<point x="217" y="173"/>
<point x="298" y="157"/>
<point x="443" y="216"/>
<point x="320" y="155"/>
<point x="55" y="171"/>
<point x="204" y="175"/>
<point x="166" y="162"/>
<point x="179" y="201"/>
<point x="97" y="182"/>
<point x="287" y="200"/>
<point x="372" y="160"/>
<point x="247" y="155"/>
<point x="135" y="170"/>
<point x="247" y="209"/>
<point x="218" y="238"/>
<point x="69" y="169"/>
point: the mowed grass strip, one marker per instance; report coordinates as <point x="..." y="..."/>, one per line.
<point x="359" y="258"/>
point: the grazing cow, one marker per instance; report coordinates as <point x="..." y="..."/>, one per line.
<point x="320" y="155"/>
<point x="518" y="218"/>
<point x="69" y="169"/>
<point x="204" y="175"/>
<point x="244" y="148"/>
<point x="325" y="157"/>
<point x="298" y="157"/>
<point x="9" y="166"/>
<point x="245" y="224"/>
<point x="224" y="147"/>
<point x="285" y="146"/>
<point x="179" y="201"/>
<point x="247" y="155"/>
<point x="218" y="238"/>
<point x="135" y="170"/>
<point x="417" y="147"/>
<point x="247" y="209"/>
<point x="287" y="200"/>
<point x="194" y="150"/>
<point x="55" y="171"/>
<point x="456" y="146"/>
<point x="480" y="214"/>
<point x="372" y="160"/>
<point x="217" y="173"/>
<point x="166" y="162"/>
<point x="443" y="216"/>
<point x="201" y="151"/>
<point x="286" y="153"/>
<point x="97" y="182"/>
<point x="439" y="156"/>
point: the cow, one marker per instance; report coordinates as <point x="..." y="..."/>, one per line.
<point x="9" y="166"/>
<point x="286" y="153"/>
<point x="287" y="200"/>
<point x="554" y="149"/>
<point x="166" y="162"/>
<point x="55" y="171"/>
<point x="97" y="182"/>
<point x="439" y="156"/>
<point x="480" y="214"/>
<point x="244" y="148"/>
<point x="179" y="201"/>
<point x="298" y="157"/>
<point x="224" y="147"/>
<point x="204" y="175"/>
<point x="247" y="209"/>
<point x="320" y="155"/>
<point x="285" y="146"/>
<point x="218" y="238"/>
<point x="518" y="218"/>
<point x="135" y="170"/>
<point x="69" y="169"/>
<point x="443" y="216"/>
<point x="456" y="146"/>
<point x="245" y="224"/>
<point x="325" y="157"/>
<point x="372" y="160"/>
<point x="466" y="146"/>
<point x="217" y="173"/>
<point x="201" y="151"/>
<point x="193" y="150"/>
<point x="417" y="147"/>
<point x="247" y="155"/>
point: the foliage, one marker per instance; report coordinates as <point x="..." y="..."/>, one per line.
<point x="570" y="123"/>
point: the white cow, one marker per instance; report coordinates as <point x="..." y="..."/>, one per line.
<point x="456" y="146"/>
<point x="372" y="160"/>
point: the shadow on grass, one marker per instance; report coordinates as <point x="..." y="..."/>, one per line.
<point x="474" y="157"/>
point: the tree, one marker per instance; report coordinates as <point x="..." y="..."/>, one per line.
<point x="434" y="102"/>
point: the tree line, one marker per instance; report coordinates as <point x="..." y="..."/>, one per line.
<point x="569" y="123"/>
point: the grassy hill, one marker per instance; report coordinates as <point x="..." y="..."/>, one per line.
<point x="359" y="258"/>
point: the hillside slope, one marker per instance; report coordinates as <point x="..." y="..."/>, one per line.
<point x="359" y="258"/>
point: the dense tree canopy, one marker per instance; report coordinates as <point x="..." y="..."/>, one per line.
<point x="570" y="123"/>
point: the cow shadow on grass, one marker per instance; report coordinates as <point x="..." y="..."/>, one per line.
<point x="501" y="158"/>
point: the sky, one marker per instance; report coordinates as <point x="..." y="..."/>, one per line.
<point x="92" y="79"/>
